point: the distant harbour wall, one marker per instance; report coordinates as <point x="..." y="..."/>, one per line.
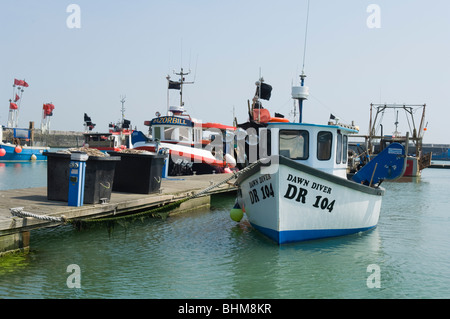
<point x="58" y="139"/>
<point x="54" y="139"/>
<point x="50" y="138"/>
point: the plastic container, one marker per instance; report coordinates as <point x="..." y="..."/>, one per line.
<point x="99" y="177"/>
<point x="138" y="173"/>
<point x="57" y="176"/>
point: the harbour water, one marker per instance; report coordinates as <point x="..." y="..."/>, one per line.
<point x="204" y="254"/>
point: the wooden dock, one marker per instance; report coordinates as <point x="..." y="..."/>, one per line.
<point x="14" y="231"/>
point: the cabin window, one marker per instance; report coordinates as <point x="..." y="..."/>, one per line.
<point x="157" y="133"/>
<point x="197" y="135"/>
<point x="339" y="148"/>
<point x="169" y="133"/>
<point x="324" y="139"/>
<point x="184" y="134"/>
<point x="294" y="144"/>
<point x="344" y="149"/>
<point x="265" y="144"/>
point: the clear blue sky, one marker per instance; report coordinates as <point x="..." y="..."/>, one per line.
<point x="128" y="48"/>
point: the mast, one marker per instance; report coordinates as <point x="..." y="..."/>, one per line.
<point x="122" y="100"/>
<point x="177" y="86"/>
<point x="182" y="81"/>
<point x="14" y="103"/>
<point x="300" y="93"/>
<point x="300" y="100"/>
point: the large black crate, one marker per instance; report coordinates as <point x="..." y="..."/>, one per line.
<point x="99" y="177"/>
<point x="138" y="173"/>
<point x="57" y="176"/>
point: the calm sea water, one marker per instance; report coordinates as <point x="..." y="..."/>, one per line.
<point x="205" y="254"/>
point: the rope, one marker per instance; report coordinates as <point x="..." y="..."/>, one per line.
<point x="18" y="211"/>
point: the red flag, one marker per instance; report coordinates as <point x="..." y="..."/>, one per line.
<point x="20" y="83"/>
<point x="13" y="106"/>
<point x="17" y="98"/>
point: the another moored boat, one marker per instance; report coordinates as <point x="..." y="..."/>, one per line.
<point x="376" y="141"/>
<point x="17" y="144"/>
<point x="193" y="147"/>
<point x="117" y="138"/>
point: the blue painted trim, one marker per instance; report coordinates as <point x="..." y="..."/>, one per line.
<point x="290" y="236"/>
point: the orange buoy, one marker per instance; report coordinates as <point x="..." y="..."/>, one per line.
<point x="278" y="119"/>
<point x="18" y="149"/>
<point x="2" y="152"/>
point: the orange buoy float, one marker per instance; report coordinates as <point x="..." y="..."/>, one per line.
<point x="18" y="149"/>
<point x="2" y="152"/>
<point x="278" y="119"/>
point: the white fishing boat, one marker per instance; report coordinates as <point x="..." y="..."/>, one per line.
<point x="192" y="146"/>
<point x="298" y="188"/>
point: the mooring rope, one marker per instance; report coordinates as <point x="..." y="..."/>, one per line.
<point x="18" y="211"/>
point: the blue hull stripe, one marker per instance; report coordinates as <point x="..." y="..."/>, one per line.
<point x="25" y="155"/>
<point x="290" y="236"/>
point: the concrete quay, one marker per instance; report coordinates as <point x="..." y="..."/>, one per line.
<point x="14" y="231"/>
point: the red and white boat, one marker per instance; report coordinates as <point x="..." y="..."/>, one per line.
<point x="193" y="147"/>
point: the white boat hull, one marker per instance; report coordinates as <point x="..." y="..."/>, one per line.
<point x="291" y="202"/>
<point x="202" y="159"/>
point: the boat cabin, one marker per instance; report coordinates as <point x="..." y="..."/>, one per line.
<point x="180" y="128"/>
<point x="174" y="129"/>
<point x="324" y="147"/>
<point x="107" y="141"/>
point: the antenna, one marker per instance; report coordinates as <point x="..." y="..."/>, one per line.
<point x="301" y="93"/>
<point x="122" y="100"/>
<point x="306" y="36"/>
<point x="181" y="55"/>
<point x="195" y="70"/>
